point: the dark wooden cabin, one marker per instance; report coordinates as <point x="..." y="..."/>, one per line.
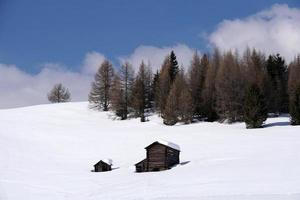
<point x="161" y="155"/>
<point x="103" y="166"/>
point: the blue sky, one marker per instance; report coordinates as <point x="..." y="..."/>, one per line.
<point x="44" y="42"/>
<point x="33" y="32"/>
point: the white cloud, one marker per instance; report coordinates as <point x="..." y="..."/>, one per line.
<point x="92" y="62"/>
<point x="275" y="30"/>
<point x="155" y="55"/>
<point x="19" y="88"/>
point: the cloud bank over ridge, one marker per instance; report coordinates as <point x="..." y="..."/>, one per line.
<point x="274" y="30"/>
<point x="25" y="89"/>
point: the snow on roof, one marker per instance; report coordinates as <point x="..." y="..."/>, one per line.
<point x="169" y="144"/>
<point x="108" y="161"/>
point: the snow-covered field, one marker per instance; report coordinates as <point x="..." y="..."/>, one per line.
<point x="48" y="151"/>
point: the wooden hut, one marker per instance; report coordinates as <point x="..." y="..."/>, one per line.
<point x="141" y="166"/>
<point x="161" y="155"/>
<point x="103" y="165"/>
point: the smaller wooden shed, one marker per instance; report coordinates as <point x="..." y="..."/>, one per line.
<point x="103" y="165"/>
<point x="141" y="166"/>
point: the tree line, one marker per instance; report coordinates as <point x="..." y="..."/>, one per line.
<point x="221" y="86"/>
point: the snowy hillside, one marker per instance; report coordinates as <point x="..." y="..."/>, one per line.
<point x="48" y="152"/>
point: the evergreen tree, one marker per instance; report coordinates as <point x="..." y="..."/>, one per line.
<point x="277" y="74"/>
<point x="294" y="91"/>
<point x="141" y="91"/>
<point x="209" y="90"/>
<point x="294" y="74"/>
<point x="255" y="110"/>
<point x="99" y="96"/>
<point x="174" y="68"/>
<point x="167" y="76"/>
<point x="295" y="106"/>
<point x="59" y="94"/>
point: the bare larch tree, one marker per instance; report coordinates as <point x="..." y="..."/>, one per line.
<point x="59" y="94"/>
<point x="99" y="96"/>
<point x="127" y="78"/>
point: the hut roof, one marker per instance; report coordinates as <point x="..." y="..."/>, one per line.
<point x="141" y="161"/>
<point x="106" y="161"/>
<point x="166" y="143"/>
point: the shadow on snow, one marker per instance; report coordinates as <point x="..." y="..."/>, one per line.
<point x="276" y="124"/>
